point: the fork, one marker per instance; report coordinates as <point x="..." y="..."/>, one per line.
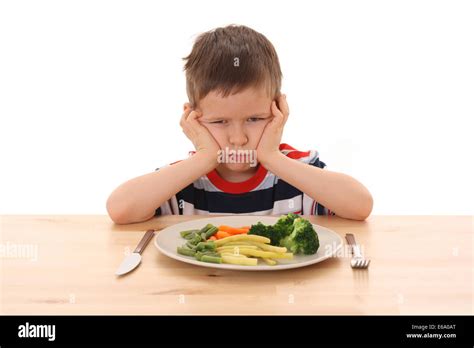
<point x="357" y="261"/>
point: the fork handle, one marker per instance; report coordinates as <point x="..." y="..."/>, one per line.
<point x="350" y="239"/>
<point x="352" y="242"/>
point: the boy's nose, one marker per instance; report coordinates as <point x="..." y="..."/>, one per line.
<point x="237" y="138"/>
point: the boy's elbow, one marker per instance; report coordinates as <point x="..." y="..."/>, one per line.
<point x="366" y="208"/>
<point x="114" y="213"/>
<point x="119" y="220"/>
<point x="121" y="215"/>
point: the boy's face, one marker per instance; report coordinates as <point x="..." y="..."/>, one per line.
<point x="237" y="121"/>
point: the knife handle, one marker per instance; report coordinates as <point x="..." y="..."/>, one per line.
<point x="146" y="238"/>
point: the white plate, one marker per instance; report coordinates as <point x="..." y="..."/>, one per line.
<point x="168" y="239"/>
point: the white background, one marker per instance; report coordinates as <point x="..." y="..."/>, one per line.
<point x="91" y="93"/>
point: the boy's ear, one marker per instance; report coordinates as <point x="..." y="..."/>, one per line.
<point x="186" y="106"/>
<point x="277" y="97"/>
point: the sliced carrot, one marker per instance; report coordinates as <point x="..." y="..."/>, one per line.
<point x="222" y="234"/>
<point x="246" y="227"/>
<point x="233" y="230"/>
<point x="212" y="238"/>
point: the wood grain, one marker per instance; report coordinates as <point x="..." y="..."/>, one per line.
<point x="420" y="265"/>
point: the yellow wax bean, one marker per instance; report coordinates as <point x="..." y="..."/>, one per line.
<point x="268" y="247"/>
<point x="242" y="237"/>
<point x="265" y="254"/>
<point x="247" y="261"/>
<point x="233" y="247"/>
<point x="234" y="255"/>
<point x="269" y="261"/>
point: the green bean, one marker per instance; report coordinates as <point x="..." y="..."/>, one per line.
<point x="205" y="228"/>
<point x="211" y="253"/>
<point x="191" y="236"/>
<point x="212" y="231"/>
<point x="197" y="238"/>
<point x="206" y="246"/>
<point x="187" y="232"/>
<point x="186" y="251"/>
<point x="197" y="246"/>
<point x="198" y="255"/>
<point x="213" y="259"/>
<point x="191" y="246"/>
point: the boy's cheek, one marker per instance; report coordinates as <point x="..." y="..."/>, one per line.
<point x="217" y="137"/>
<point x="264" y="125"/>
<point x="210" y="128"/>
<point x="260" y="132"/>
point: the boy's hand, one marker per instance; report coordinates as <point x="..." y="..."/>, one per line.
<point x="202" y="140"/>
<point x="271" y="137"/>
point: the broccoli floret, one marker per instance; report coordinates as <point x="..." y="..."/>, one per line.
<point x="290" y="231"/>
<point x="303" y="239"/>
<point x="260" y="230"/>
<point x="282" y="228"/>
<point x="284" y="225"/>
<point x="265" y="231"/>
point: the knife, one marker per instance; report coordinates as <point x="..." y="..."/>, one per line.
<point x="133" y="260"/>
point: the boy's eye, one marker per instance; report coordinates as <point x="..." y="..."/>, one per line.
<point x="251" y="119"/>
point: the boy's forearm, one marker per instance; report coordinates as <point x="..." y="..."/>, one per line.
<point x="338" y="192"/>
<point x="137" y="199"/>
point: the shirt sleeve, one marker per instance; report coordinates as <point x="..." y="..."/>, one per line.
<point x="310" y="206"/>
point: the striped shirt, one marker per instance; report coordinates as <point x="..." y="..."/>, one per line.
<point x="262" y="194"/>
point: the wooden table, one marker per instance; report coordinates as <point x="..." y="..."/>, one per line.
<point x="66" y="264"/>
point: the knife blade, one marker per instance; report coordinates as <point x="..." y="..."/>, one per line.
<point x="133" y="260"/>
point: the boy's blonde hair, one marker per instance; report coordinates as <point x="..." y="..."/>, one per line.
<point x="230" y="59"/>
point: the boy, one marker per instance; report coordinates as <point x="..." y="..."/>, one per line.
<point x="235" y="119"/>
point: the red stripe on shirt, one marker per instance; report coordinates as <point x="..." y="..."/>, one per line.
<point x="297" y="154"/>
<point x="238" y="187"/>
<point x="284" y="146"/>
